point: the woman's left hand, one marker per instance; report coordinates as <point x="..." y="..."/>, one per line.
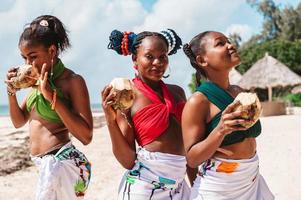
<point x="44" y="86"/>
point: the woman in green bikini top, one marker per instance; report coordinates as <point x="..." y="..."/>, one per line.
<point x="60" y="104"/>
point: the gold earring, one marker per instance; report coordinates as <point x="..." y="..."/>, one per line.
<point x="51" y="73"/>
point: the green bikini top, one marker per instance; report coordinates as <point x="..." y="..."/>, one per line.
<point x="220" y="98"/>
<point x="42" y="106"/>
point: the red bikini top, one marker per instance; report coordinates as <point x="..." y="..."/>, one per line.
<point x="152" y="120"/>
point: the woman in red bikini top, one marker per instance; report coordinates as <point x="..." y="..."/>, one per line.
<point x="156" y="113"/>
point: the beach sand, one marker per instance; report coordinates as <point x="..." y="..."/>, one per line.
<point x="278" y="148"/>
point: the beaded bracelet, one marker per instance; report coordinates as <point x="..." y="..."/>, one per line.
<point x="53" y="102"/>
<point x="11" y="93"/>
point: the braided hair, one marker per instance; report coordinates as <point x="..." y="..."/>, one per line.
<point x="127" y="43"/>
<point x="194" y="48"/>
<point x="46" y="30"/>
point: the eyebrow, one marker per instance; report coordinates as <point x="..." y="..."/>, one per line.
<point x="221" y="37"/>
<point x="28" y="53"/>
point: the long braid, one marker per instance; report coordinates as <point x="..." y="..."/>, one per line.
<point x="193" y="62"/>
<point x="195" y="47"/>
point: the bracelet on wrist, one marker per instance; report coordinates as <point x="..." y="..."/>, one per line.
<point x="10" y="93"/>
<point x="53" y="102"/>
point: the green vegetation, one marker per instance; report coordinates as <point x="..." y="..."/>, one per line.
<point x="294" y="98"/>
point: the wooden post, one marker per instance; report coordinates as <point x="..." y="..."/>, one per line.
<point x="270" y="93"/>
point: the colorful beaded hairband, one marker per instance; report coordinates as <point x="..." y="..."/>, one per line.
<point x="171" y="39"/>
<point x="125" y="44"/>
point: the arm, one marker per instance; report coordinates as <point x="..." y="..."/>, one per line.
<point x="18" y="114"/>
<point x="78" y="120"/>
<point x="198" y="148"/>
<point x="191" y="172"/>
<point x="121" y="134"/>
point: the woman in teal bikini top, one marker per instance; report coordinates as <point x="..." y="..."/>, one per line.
<point x="214" y="139"/>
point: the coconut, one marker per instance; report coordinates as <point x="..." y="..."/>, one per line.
<point x="26" y="77"/>
<point x="124" y="93"/>
<point x="250" y="107"/>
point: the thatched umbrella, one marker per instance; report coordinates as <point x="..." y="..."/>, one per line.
<point x="234" y="76"/>
<point x="268" y="72"/>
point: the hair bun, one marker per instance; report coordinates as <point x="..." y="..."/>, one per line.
<point x="173" y="40"/>
<point x="122" y="43"/>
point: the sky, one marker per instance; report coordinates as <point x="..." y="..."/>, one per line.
<point x="90" y="23"/>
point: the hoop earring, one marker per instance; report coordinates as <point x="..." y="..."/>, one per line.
<point x="166" y="76"/>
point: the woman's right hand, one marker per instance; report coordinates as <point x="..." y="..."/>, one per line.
<point x="230" y="120"/>
<point x="12" y="72"/>
<point x="107" y="100"/>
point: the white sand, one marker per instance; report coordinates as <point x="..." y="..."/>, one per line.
<point x="278" y="148"/>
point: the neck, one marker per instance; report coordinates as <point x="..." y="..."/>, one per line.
<point x="155" y="85"/>
<point x="221" y="78"/>
<point x="55" y="60"/>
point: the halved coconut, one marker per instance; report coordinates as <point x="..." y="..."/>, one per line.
<point x="125" y="93"/>
<point x="250" y="107"/>
<point x="26" y="77"/>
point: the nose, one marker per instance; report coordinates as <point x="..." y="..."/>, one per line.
<point x="231" y="46"/>
<point x="157" y="62"/>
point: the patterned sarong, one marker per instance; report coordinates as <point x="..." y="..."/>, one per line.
<point x="225" y="179"/>
<point x="65" y="175"/>
<point x="157" y="176"/>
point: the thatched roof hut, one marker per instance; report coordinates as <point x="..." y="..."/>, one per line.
<point x="296" y="89"/>
<point x="268" y="72"/>
<point x="234" y="76"/>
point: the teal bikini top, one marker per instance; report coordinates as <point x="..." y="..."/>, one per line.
<point x="220" y="98"/>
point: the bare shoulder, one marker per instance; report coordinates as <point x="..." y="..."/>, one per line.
<point x="198" y="100"/>
<point x="177" y="91"/>
<point x="195" y="113"/>
<point x="75" y="80"/>
<point x="73" y="84"/>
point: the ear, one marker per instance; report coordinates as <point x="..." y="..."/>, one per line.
<point x="134" y="59"/>
<point x="52" y="50"/>
<point x="201" y="60"/>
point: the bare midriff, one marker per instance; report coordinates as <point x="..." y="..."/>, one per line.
<point x="45" y="136"/>
<point x="242" y="150"/>
<point x="170" y="141"/>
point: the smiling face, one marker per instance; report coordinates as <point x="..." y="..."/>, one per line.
<point x="151" y="58"/>
<point x="219" y="52"/>
<point x="38" y="54"/>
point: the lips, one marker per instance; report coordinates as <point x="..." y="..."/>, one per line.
<point x="233" y="52"/>
<point x="156" y="71"/>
